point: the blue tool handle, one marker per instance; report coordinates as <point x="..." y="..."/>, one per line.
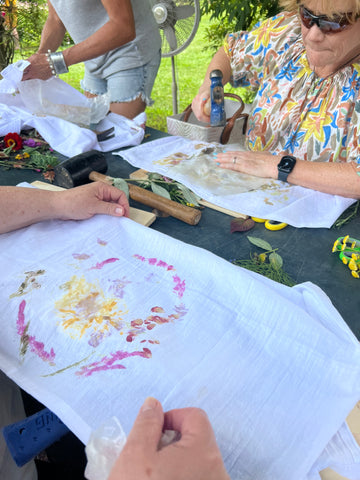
<point x="26" y="438"/>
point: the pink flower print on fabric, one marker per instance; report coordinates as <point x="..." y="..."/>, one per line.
<point x="154" y="261"/>
<point x="81" y="256"/>
<point x="118" y="287"/>
<point x="110" y="362"/>
<point x="29" y="341"/>
<point x="179" y="286"/>
<point x="100" y="265"/>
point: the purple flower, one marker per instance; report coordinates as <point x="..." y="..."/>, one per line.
<point x="30" y="142"/>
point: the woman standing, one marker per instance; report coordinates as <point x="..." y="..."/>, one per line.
<point x="119" y="42"/>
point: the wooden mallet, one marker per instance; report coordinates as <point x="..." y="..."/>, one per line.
<point x="91" y="166"/>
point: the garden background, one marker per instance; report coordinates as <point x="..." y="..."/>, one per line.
<point x="20" y="31"/>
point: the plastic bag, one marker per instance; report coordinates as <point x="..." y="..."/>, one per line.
<point x="103" y="448"/>
<point x="57" y="98"/>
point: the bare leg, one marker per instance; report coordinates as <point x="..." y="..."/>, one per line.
<point x="127" y="109"/>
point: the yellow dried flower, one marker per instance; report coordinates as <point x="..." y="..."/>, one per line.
<point x="262" y="257"/>
<point x="352" y="265"/>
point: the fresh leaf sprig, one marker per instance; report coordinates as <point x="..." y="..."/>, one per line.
<point x="171" y="189"/>
<point x="269" y="263"/>
<point x="347" y="216"/>
<point x="163" y="186"/>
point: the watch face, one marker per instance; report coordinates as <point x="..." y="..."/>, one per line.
<point x="287" y="163"/>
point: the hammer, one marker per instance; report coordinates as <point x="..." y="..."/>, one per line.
<point x="92" y="165"/>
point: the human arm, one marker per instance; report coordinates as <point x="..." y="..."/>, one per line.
<point x="327" y="177"/>
<point x="117" y="31"/>
<point x="51" y="37"/>
<point x="195" y="456"/>
<point x="20" y="207"/>
<point x="220" y="61"/>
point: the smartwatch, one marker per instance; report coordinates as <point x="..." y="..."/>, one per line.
<point x="285" y="167"/>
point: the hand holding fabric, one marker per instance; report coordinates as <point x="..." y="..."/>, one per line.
<point x="88" y="200"/>
<point x="21" y="207"/>
<point x="195" y="456"/>
<point x="39" y="67"/>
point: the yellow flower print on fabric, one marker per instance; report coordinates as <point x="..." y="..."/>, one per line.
<point x="315" y="123"/>
<point x="266" y="31"/>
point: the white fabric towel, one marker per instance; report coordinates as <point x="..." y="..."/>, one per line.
<point x="99" y="314"/>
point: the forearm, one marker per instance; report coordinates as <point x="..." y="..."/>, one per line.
<point x="327" y="177"/>
<point x="334" y="178"/>
<point x="21" y="207"/>
<point x="53" y="32"/>
<point x="220" y="61"/>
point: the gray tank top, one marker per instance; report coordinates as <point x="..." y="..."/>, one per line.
<point x="82" y="18"/>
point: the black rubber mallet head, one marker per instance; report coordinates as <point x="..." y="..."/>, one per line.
<point x="76" y="170"/>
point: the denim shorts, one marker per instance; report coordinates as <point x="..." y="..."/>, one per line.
<point x="126" y="85"/>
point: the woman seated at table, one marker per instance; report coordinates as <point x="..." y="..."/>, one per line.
<point x="304" y="125"/>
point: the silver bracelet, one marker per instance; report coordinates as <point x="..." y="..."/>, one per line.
<point x="57" y="63"/>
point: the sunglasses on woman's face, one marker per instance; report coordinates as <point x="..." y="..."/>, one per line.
<point x="324" y="23"/>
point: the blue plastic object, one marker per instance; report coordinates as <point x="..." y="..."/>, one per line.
<point x="27" y="438"/>
<point x="217" y="115"/>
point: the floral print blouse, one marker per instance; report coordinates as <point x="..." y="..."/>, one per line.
<point x="294" y="111"/>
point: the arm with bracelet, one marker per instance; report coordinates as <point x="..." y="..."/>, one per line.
<point x="117" y="31"/>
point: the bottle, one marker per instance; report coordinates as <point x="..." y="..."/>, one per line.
<point x="217" y="114"/>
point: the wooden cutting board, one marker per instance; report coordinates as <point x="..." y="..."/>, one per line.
<point x="143" y="175"/>
<point x="139" y="216"/>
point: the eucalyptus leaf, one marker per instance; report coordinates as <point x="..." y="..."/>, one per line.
<point x="160" y="190"/>
<point x="121" y="184"/>
<point x="154" y="176"/>
<point x="189" y="196"/>
<point x="260" y="243"/>
<point x="275" y="260"/>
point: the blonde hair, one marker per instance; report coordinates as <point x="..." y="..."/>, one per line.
<point x="327" y="7"/>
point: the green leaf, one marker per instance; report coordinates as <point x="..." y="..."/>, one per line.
<point x="189" y="196"/>
<point x="160" y="190"/>
<point x="154" y="176"/>
<point x="260" y="243"/>
<point x="275" y="260"/>
<point x="121" y="184"/>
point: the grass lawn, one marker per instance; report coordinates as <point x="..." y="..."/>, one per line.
<point x="190" y="67"/>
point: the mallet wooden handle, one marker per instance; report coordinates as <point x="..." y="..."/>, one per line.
<point x="177" y="210"/>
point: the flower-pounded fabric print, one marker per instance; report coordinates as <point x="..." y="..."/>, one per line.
<point x="294" y="111"/>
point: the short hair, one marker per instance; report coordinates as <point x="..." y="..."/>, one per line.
<point x="326" y="7"/>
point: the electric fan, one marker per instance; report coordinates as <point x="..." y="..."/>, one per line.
<point x="178" y="21"/>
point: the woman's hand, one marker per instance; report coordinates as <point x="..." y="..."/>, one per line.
<point x="200" y="105"/>
<point x="260" y="164"/>
<point x="39" y="67"/>
<point x="195" y="456"/>
<point x="88" y="200"/>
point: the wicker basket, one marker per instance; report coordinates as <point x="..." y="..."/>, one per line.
<point x="186" y="125"/>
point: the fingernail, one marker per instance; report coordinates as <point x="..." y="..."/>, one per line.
<point x="149" y="404"/>
<point x="217" y="163"/>
<point x="119" y="211"/>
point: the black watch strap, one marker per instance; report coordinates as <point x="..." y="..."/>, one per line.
<point x="285" y="167"/>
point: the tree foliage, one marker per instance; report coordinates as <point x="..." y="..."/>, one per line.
<point x="235" y="15"/>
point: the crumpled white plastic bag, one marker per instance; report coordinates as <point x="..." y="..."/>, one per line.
<point x="59" y="99"/>
<point x="105" y="445"/>
<point x="103" y="448"/>
<point x="32" y="104"/>
<point x="54" y="97"/>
